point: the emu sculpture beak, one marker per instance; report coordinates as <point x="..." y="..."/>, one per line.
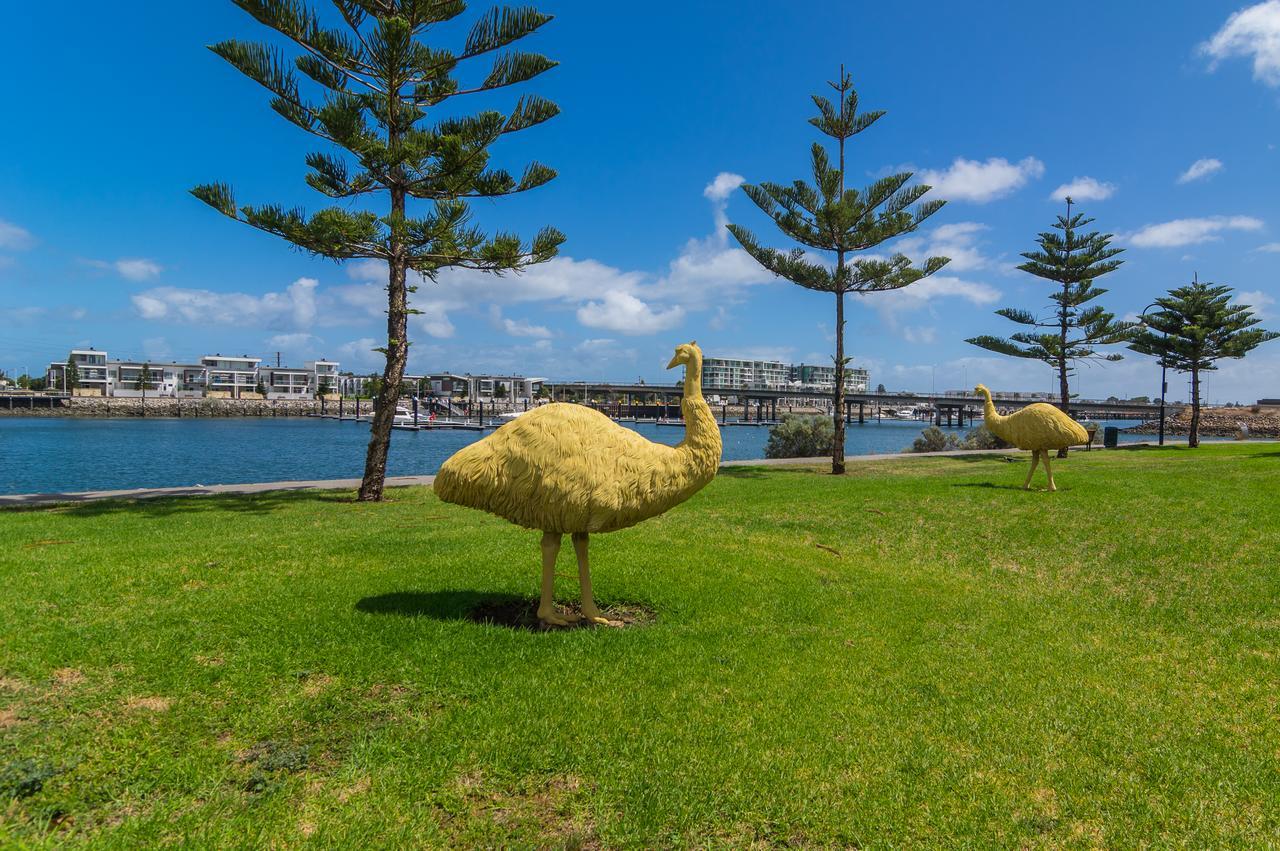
<point x="675" y="361"/>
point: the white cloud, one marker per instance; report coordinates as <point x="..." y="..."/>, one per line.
<point x="24" y="315"/>
<point x="1083" y="189"/>
<point x="360" y="355"/>
<point x="1253" y="33"/>
<point x="14" y="238"/>
<point x="893" y="305"/>
<point x="1201" y="169"/>
<point x="295" y="307"/>
<point x="707" y="273"/>
<point x="517" y="327"/>
<point x="157" y="348"/>
<point x="980" y="182"/>
<point x="1260" y="302"/>
<point x="722" y="187"/>
<point x="1190" y="231"/>
<point x="957" y="241"/>
<point x="920" y="334"/>
<point x="626" y="314"/>
<point x="1270" y="248"/>
<point x="129" y="268"/>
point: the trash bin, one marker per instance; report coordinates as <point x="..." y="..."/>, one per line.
<point x="1110" y="437"/>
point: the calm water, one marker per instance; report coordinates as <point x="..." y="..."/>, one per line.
<point x="67" y="454"/>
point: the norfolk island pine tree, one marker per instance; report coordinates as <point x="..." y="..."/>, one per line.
<point x="1072" y="262"/>
<point x="1196" y="326"/>
<point x="828" y="217"/>
<point x="377" y="82"/>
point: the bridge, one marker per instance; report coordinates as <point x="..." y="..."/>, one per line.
<point x="941" y="407"/>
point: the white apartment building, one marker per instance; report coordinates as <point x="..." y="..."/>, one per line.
<point x="91" y="368"/>
<point x="744" y="374"/>
<point x="509" y="387"/>
<point x="215" y="375"/>
<point x="231" y="376"/>
<point x="823" y="378"/>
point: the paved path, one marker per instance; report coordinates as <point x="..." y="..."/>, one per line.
<point x="29" y="499"/>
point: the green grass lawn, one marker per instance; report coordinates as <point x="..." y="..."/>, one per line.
<point x="918" y="653"/>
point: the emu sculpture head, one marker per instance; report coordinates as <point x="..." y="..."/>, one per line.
<point x="688" y="354"/>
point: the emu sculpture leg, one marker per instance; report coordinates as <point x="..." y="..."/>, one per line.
<point x="1035" y="460"/>
<point x="589" y="609"/>
<point x="546" y="606"/>
<point x="1048" y="471"/>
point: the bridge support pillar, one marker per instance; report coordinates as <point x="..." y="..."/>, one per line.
<point x="862" y="418"/>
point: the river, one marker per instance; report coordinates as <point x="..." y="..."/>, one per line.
<point x="57" y="454"/>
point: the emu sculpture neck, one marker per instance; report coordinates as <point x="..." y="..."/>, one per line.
<point x="701" y="435"/>
<point x="993" y="419"/>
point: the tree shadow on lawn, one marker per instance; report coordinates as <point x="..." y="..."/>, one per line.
<point x="197" y="501"/>
<point x="492" y="608"/>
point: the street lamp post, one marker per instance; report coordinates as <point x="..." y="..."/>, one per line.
<point x="1164" y="384"/>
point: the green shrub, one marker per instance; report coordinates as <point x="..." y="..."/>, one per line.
<point x="934" y="439"/>
<point x="800" y="436"/>
<point x="982" y="438"/>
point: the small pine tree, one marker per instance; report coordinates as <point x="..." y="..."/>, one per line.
<point x="71" y="376"/>
<point x="828" y="217"/>
<point x="144" y="378"/>
<point x="385" y="99"/>
<point x="1196" y="326"/>
<point x="1072" y="331"/>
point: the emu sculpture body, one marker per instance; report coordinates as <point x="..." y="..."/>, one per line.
<point x="568" y="469"/>
<point x="1040" y="427"/>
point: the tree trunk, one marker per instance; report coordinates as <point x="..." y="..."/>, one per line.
<point x="837" y="443"/>
<point x="1193" y="437"/>
<point x="1064" y="390"/>
<point x="375" y="461"/>
<point x="384" y="413"/>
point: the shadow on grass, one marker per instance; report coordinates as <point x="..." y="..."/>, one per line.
<point x="988" y="486"/>
<point x="744" y="472"/>
<point x="495" y="609"/>
<point x="195" y="502"/>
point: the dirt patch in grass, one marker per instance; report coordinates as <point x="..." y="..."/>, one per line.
<point x="523" y="614"/>
<point x="50" y="542"/>
<point x="9" y="718"/>
<point x="314" y="684"/>
<point x="148" y="704"/>
<point x="11" y="684"/>
<point x="552" y="811"/>
<point x="68" y="676"/>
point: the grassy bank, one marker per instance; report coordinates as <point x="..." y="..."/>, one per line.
<point x="917" y="653"/>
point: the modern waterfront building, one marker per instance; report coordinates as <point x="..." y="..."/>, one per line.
<point x="231" y="376"/>
<point x="215" y="375"/>
<point x="508" y="387"/>
<point x="823" y="378"/>
<point x="743" y="374"/>
<point x="91" y="369"/>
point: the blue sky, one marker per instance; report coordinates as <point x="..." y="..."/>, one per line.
<point x="1175" y="122"/>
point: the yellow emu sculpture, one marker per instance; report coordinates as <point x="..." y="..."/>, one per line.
<point x="1039" y="427"/>
<point x="568" y="469"/>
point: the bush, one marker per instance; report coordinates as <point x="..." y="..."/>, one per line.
<point x="934" y="439"/>
<point x="982" y="438"/>
<point x="800" y="436"/>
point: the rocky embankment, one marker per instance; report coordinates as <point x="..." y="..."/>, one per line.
<point x="99" y="406"/>
<point x="1219" y="422"/>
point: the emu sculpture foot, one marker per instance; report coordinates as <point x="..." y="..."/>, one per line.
<point x="550" y="617"/>
<point x="595" y="616"/>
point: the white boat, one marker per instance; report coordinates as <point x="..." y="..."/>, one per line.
<point x="403" y="416"/>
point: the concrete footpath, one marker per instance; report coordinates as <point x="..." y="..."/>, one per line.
<point x="36" y="499"/>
